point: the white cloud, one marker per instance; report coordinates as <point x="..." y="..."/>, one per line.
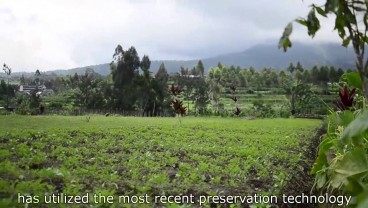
<point x="52" y="34"/>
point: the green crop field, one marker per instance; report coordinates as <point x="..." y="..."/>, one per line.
<point x="123" y="160"/>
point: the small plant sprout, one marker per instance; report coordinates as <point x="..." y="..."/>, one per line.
<point x="88" y="118"/>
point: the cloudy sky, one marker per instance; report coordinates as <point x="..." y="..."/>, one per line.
<point x="54" y="34"/>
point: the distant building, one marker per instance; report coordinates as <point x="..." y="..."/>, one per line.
<point x="41" y="89"/>
<point x="29" y="88"/>
<point x="191" y="76"/>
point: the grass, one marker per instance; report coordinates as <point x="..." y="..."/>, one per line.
<point x="121" y="156"/>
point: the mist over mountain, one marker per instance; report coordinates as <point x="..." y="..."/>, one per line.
<point x="259" y="56"/>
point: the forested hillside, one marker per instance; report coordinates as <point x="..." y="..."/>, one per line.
<point x="259" y="56"/>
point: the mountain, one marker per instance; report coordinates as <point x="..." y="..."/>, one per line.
<point x="259" y="56"/>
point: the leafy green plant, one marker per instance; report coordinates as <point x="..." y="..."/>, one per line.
<point x="342" y="162"/>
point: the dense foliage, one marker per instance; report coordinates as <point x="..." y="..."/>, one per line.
<point x="132" y="89"/>
<point x="342" y="163"/>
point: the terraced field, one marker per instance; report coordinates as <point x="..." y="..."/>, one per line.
<point x="133" y="160"/>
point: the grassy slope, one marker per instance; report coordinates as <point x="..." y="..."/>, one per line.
<point x="131" y="156"/>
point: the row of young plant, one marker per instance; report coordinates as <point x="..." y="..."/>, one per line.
<point x="220" y="157"/>
<point x="342" y="162"/>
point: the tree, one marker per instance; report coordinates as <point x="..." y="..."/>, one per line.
<point x="159" y="85"/>
<point x="333" y="76"/>
<point x="306" y="76"/>
<point x="162" y="76"/>
<point x="299" y="67"/>
<point x="193" y="71"/>
<point x="22" y="80"/>
<point x="7" y="71"/>
<point x="37" y="74"/>
<point x="124" y="70"/>
<point x="299" y="95"/>
<point x="3" y="89"/>
<point x="291" y="68"/>
<point x="340" y="72"/>
<point x="314" y="74"/>
<point x="87" y="85"/>
<point x="145" y="66"/>
<point x="201" y="94"/>
<point x="200" y="68"/>
<point x="144" y="83"/>
<point x="351" y="24"/>
<point x="184" y="71"/>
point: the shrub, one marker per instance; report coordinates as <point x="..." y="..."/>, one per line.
<point x="23" y="108"/>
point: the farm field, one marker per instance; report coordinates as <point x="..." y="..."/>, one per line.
<point x="136" y="157"/>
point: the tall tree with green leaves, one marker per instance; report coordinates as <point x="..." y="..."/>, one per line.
<point x="37" y="79"/>
<point x="161" y="75"/>
<point x="87" y="84"/>
<point x="124" y="71"/>
<point x="200" y="68"/>
<point x="7" y="71"/>
<point x="351" y="24"/>
<point x="144" y="84"/>
<point x="299" y="67"/>
<point x="291" y="68"/>
<point x="159" y="85"/>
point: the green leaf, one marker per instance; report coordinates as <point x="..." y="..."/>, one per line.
<point x="313" y="23"/>
<point x="353" y="79"/>
<point x="345" y="118"/>
<point x="339" y="119"/>
<point x="320" y="11"/>
<point x="321" y="161"/>
<point x="354" y="186"/>
<point x="340" y="25"/>
<point x="346" y="41"/>
<point x="302" y="21"/>
<point x="355" y="128"/>
<point x="288" y="30"/>
<point x="350" y="17"/>
<point x="331" y="5"/>
<point x="285" y="42"/>
<point x="363" y="204"/>
<point x="353" y="164"/>
<point x="321" y="180"/>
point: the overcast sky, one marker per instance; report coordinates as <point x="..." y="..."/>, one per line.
<point x="63" y="34"/>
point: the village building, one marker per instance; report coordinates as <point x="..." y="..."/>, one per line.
<point x="41" y="89"/>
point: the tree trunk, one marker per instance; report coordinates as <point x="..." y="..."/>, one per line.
<point x="7" y="95"/>
<point x="364" y="81"/>
<point x="292" y="102"/>
<point x="154" y="107"/>
<point x="362" y="68"/>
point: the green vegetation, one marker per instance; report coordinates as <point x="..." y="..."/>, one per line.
<point x="154" y="156"/>
<point x="342" y="162"/>
<point x="132" y="89"/>
<point x="201" y="156"/>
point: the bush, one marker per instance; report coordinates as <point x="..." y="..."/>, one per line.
<point x="284" y="113"/>
<point x="55" y="105"/>
<point x="23" y="108"/>
<point x="250" y="91"/>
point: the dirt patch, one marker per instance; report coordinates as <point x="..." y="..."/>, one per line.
<point x="302" y="181"/>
